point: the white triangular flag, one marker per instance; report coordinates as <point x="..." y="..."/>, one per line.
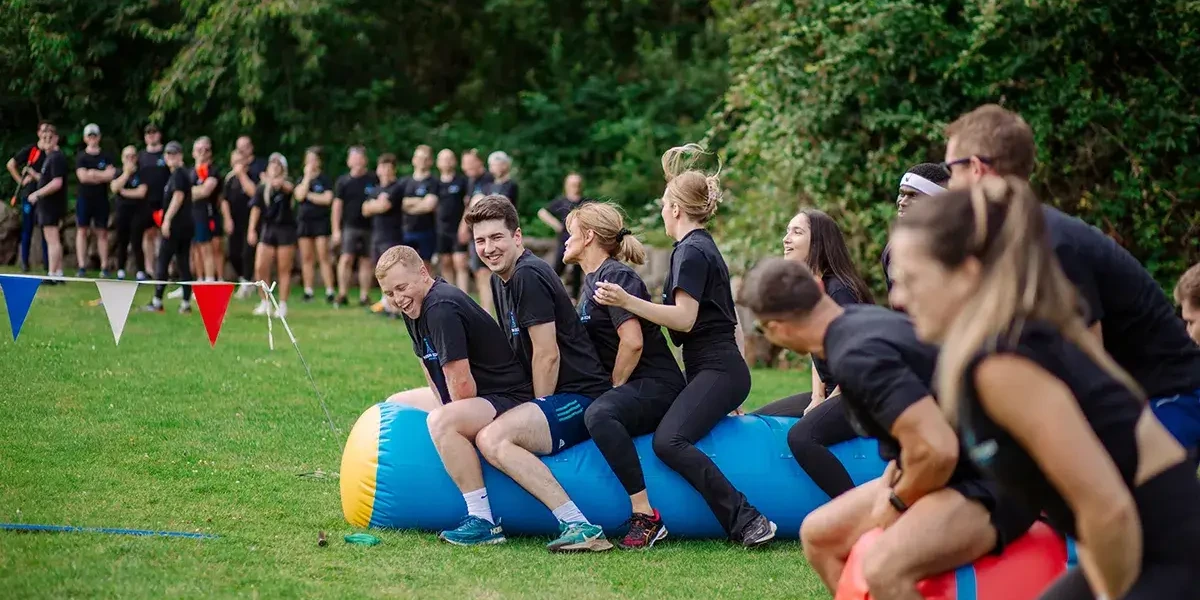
<point x="118" y="299"/>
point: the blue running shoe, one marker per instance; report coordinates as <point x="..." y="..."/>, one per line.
<point x="474" y="531"/>
<point x="579" y="537"/>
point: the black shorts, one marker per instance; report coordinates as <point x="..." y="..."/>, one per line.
<point x="447" y="241"/>
<point x="356" y="242"/>
<point x="279" y="235"/>
<point x="314" y="228"/>
<point x="505" y="402"/>
<point x="216" y="224"/>
<point x="91" y="213"/>
<point x="1010" y="518"/>
<point x="49" y="214"/>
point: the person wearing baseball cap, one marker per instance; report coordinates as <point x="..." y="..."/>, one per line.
<point x="177" y="229"/>
<point x="95" y="170"/>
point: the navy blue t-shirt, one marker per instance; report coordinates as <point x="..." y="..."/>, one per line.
<point x="698" y="268"/>
<point x="1138" y="321"/>
<point x="602" y="322"/>
<point x="535" y="295"/>
<point x="453" y="327"/>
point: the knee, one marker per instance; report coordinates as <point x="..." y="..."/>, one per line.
<point x="820" y="532"/>
<point x="598" y="415"/>
<point x="667" y="445"/>
<point x="440" y="423"/>
<point x="884" y="574"/>
<point x="489" y="441"/>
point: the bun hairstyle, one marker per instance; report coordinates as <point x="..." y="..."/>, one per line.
<point x="697" y="193"/>
<point x="999" y="222"/>
<point x="608" y="224"/>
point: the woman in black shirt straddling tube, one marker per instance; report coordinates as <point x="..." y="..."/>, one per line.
<point x="698" y="309"/>
<point x="1038" y="403"/>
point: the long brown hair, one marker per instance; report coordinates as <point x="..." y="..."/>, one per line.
<point x="606" y="221"/>
<point x="829" y="257"/>
<point x="999" y="222"/>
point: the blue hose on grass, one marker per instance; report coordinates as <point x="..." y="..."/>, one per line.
<point x="108" y="530"/>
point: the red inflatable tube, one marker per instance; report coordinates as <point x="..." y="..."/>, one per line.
<point x="1022" y="572"/>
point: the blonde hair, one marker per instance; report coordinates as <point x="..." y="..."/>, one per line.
<point x="404" y="256"/>
<point x="607" y="222"/>
<point x="697" y="193"/>
<point x="1188" y="288"/>
<point x="999" y="222"/>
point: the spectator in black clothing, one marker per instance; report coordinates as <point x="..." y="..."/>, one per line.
<point x="814" y="239"/>
<point x="240" y="185"/>
<point x="420" y="203"/>
<point x="478" y="179"/>
<point x="50" y="203"/>
<point x="923" y="180"/>
<point x="153" y="171"/>
<point x="272" y="209"/>
<point x="555" y="215"/>
<point x="206" y="195"/>
<point x="178" y="229"/>
<point x="95" y="170"/>
<point x="1187" y="294"/>
<point x="131" y="192"/>
<point x="386" y="216"/>
<point x="26" y="168"/>
<point x="314" y="193"/>
<point x="452" y="199"/>
<point x="351" y="229"/>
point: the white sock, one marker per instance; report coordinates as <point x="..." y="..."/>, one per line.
<point x="478" y="505"/>
<point x="328" y="291"/>
<point x="569" y="513"/>
<point x="308" y="291"/>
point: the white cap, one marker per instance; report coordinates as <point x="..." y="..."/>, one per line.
<point x="500" y="156"/>
<point x="91" y="129"/>
<point x="279" y="157"/>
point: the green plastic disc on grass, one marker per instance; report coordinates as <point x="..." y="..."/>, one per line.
<point x="362" y="539"/>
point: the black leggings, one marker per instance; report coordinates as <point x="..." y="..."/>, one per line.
<point x="623" y="413"/>
<point x="1156" y="582"/>
<point x="709" y="396"/>
<point x="127" y="213"/>
<point x="179" y="247"/>
<point x="143" y="220"/>
<point x="810" y="438"/>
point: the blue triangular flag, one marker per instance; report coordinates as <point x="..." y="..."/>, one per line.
<point x="18" y="296"/>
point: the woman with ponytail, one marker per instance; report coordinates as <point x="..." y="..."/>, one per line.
<point x="1037" y="402"/>
<point x="645" y="376"/>
<point x="697" y="306"/>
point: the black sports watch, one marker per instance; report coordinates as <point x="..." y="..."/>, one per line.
<point x="897" y="503"/>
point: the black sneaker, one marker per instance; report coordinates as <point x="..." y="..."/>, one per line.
<point x="644" y="531"/>
<point x="341" y="301"/>
<point x="24" y="267"/>
<point x="308" y="297"/>
<point x="758" y="532"/>
<point x="364" y="301"/>
<point x="185" y="309"/>
<point x="329" y="298"/>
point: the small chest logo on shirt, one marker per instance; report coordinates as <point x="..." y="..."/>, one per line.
<point x="584" y="312"/>
<point x="370" y="189"/>
<point x="983" y="453"/>
<point x="420" y="191"/>
<point x="161" y="162"/>
<point x="135" y="181"/>
<point x="454" y="189"/>
<point x="103" y="164"/>
<point x="318" y="188"/>
<point x="512" y="324"/>
<point x="430" y="353"/>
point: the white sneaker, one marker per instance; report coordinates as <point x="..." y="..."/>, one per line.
<point x="243" y="290"/>
<point x="262" y="308"/>
<point x="281" y="312"/>
<point x="176" y="293"/>
<point x="121" y="274"/>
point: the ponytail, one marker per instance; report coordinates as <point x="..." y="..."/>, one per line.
<point x="697" y="193"/>
<point x="606" y="222"/>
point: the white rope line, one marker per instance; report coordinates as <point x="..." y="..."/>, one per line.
<point x="142" y="282"/>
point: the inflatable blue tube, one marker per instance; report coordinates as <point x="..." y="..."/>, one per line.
<point x="392" y="477"/>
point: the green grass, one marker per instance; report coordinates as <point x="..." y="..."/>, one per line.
<point x="163" y="432"/>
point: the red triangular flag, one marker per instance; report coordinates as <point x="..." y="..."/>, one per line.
<point x="213" y="301"/>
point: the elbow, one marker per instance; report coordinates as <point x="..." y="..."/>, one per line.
<point x="1111" y="514"/>
<point x="937" y="457"/>
<point x="686" y="324"/>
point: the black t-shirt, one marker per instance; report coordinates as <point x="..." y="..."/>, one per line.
<point x="451" y="200"/>
<point x="388" y="227"/>
<point x="883" y="369"/>
<point x="179" y="181"/>
<point x="276" y="209"/>
<point x="698" y="268"/>
<point x="93" y="192"/>
<point x="602" y="322"/>
<point x="131" y="183"/>
<point x="33" y="157"/>
<point x="886" y="259"/>
<point x="419" y="188"/>
<point x="204" y="209"/>
<point x="315" y="213"/>
<point x="504" y="188"/>
<point x="1111" y="410"/>
<point x="353" y="191"/>
<point x="239" y="200"/>
<point x="562" y="206"/>
<point x="479" y="185"/>
<point x="55" y="166"/>
<point x="153" y="170"/>
<point x="844" y="296"/>
<point x="1138" y="322"/>
<point x="453" y="327"/>
<point x="535" y="295"/>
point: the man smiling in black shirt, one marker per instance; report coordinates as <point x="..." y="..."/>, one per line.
<point x="936" y="509"/>
<point x="557" y="355"/>
<point x="472" y="373"/>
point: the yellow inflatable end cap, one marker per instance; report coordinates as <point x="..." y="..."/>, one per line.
<point x="360" y="463"/>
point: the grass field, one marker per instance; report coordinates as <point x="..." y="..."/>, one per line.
<point x="163" y="432"/>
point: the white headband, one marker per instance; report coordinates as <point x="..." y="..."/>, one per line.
<point x="921" y="184"/>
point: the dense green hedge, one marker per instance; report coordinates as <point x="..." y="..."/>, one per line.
<point x="832" y="100"/>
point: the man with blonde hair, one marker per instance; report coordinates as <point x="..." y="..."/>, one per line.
<point x="472" y="372"/>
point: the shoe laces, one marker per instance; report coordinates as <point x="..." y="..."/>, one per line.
<point x="639" y="525"/>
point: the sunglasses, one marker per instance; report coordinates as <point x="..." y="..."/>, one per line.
<point x="947" y="166"/>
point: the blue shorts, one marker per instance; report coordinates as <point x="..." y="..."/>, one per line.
<point x="91" y="213"/>
<point x="564" y="413"/>
<point x="202" y="231"/>
<point x="424" y="242"/>
<point x="1180" y="414"/>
